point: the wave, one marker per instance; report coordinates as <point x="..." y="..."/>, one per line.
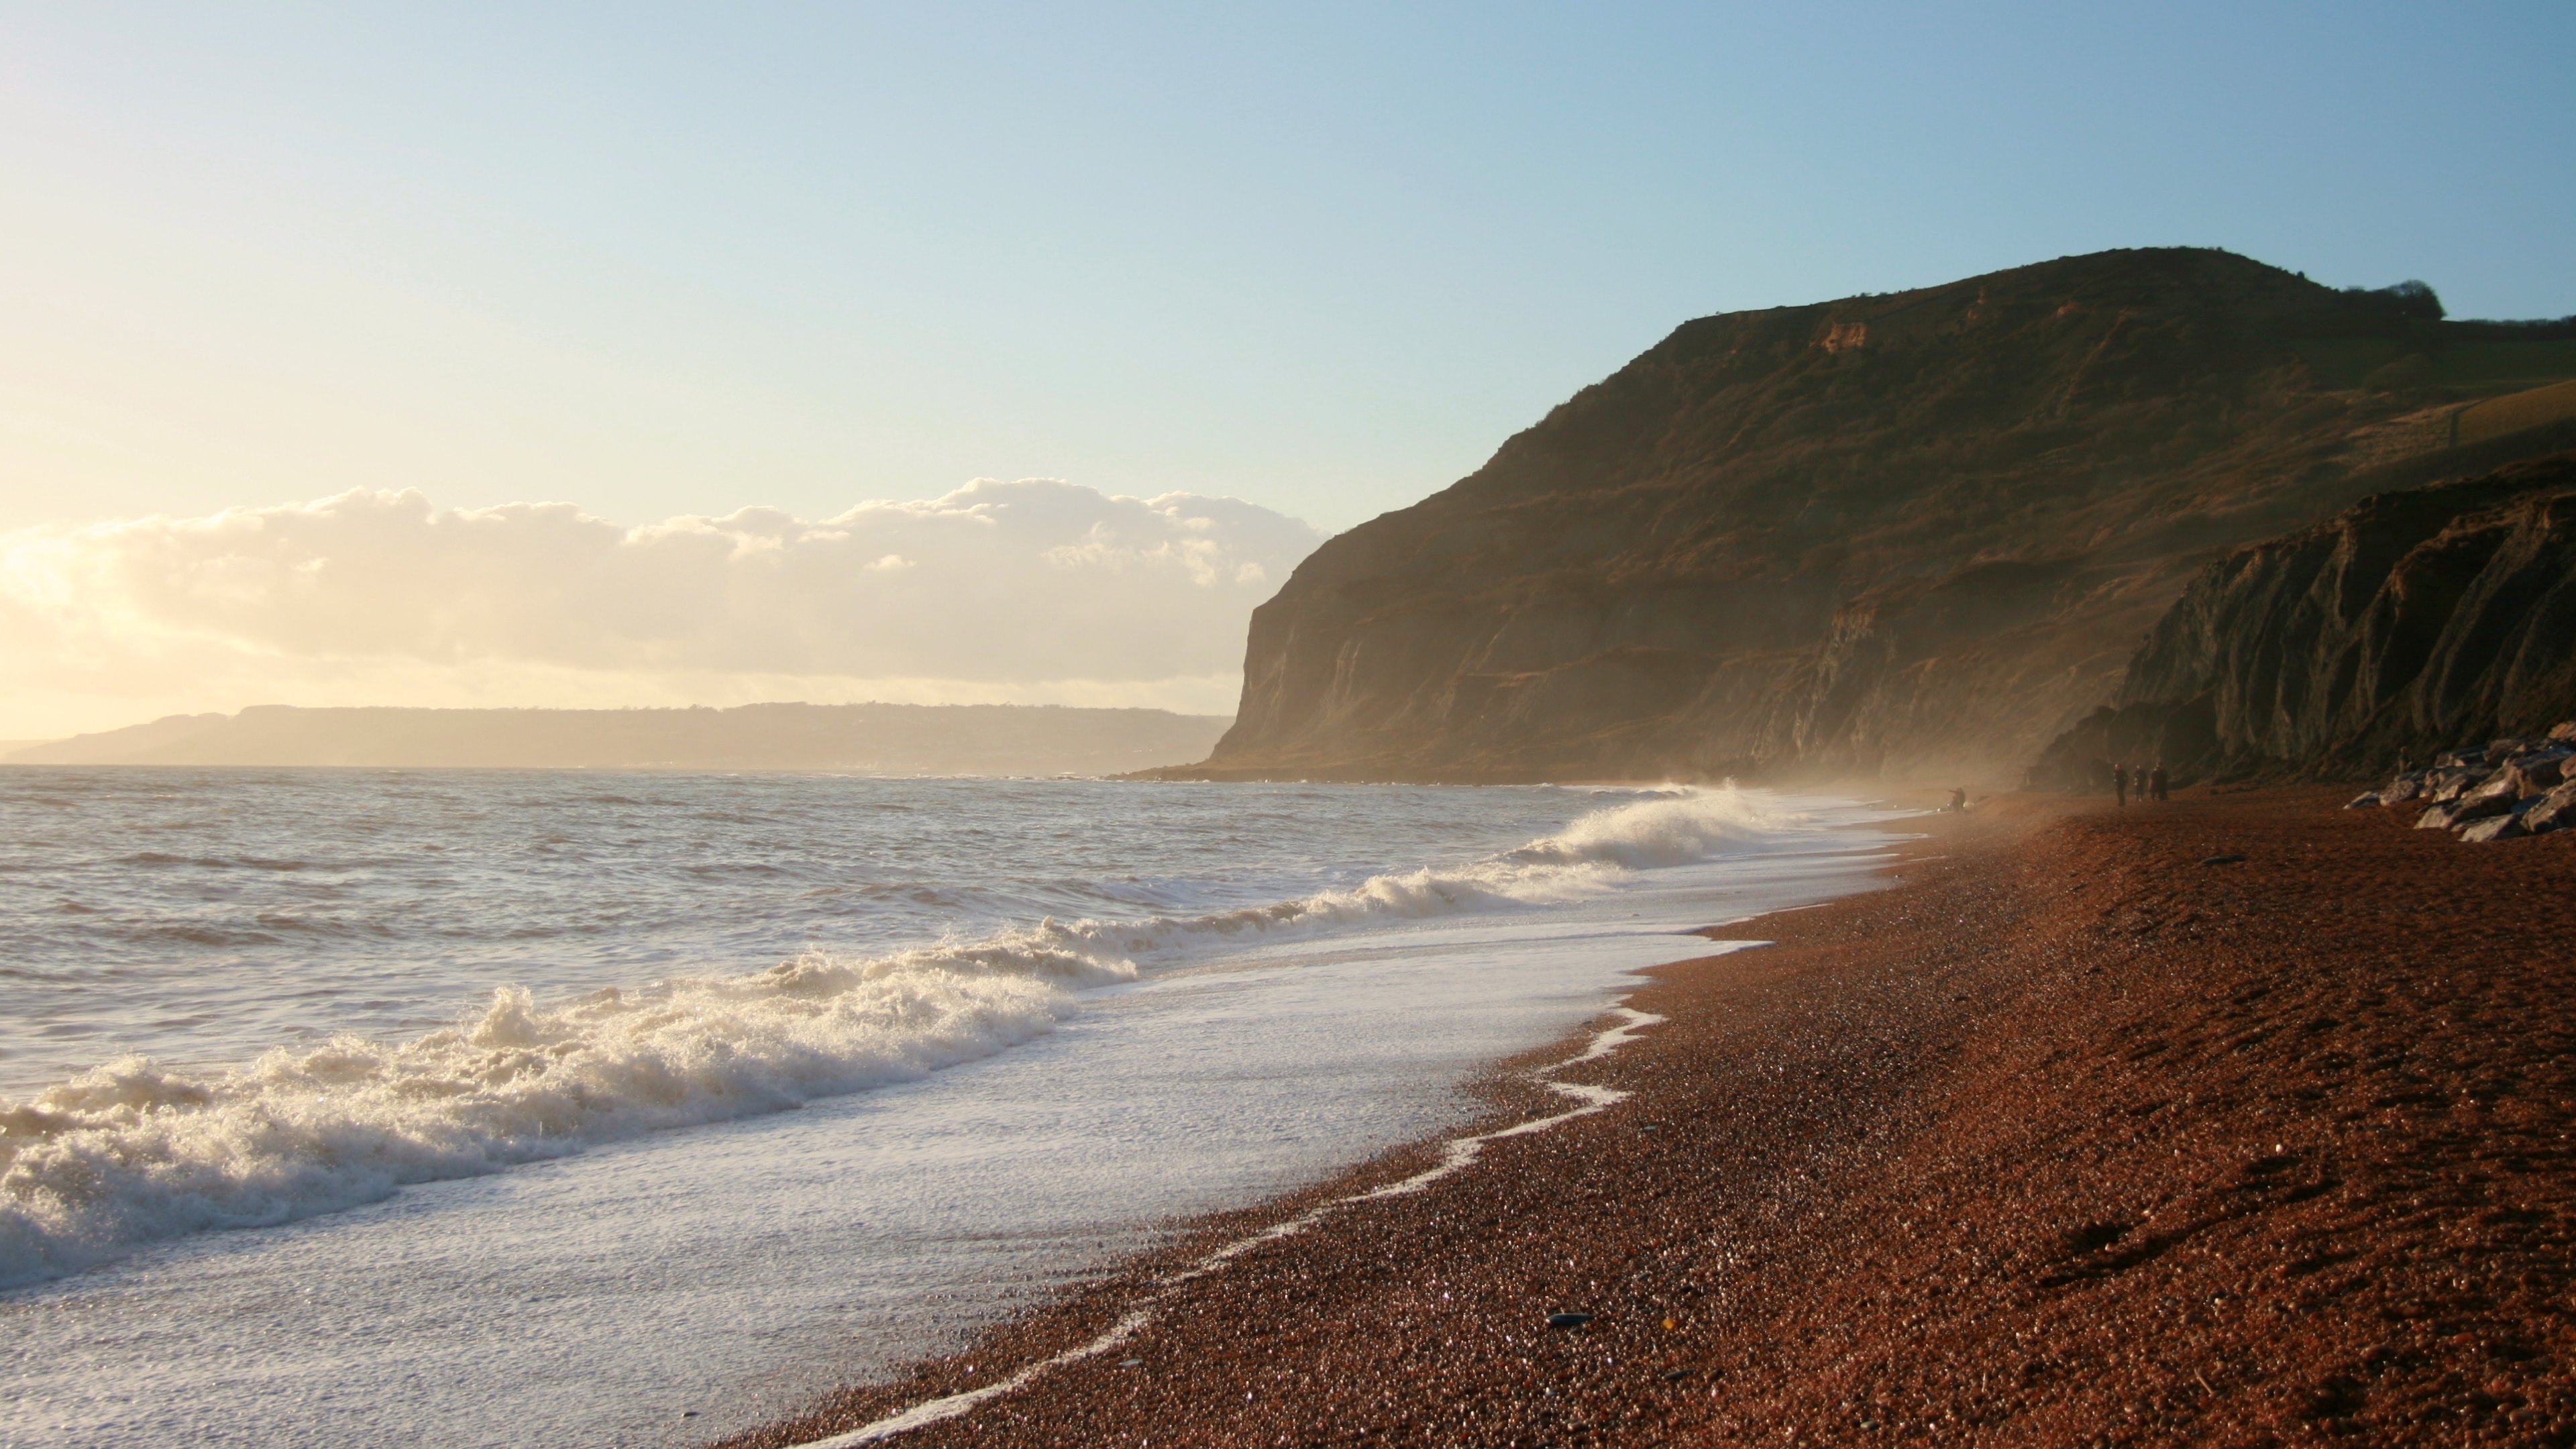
<point x="132" y="1152"/>
<point x="246" y="862"/>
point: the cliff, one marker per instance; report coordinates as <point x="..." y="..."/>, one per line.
<point x="1905" y="535"/>
<point x="884" y="739"/>
<point x="2412" y="623"/>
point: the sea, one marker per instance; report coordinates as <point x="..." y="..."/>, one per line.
<point x="346" y="1107"/>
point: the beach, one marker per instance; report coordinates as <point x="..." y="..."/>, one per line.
<point x="2235" y="1120"/>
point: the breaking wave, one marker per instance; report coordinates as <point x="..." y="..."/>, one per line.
<point x="132" y="1152"/>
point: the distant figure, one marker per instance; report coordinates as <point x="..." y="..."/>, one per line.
<point x="2120" y="783"/>
<point x="2156" y="782"/>
<point x="1958" y="799"/>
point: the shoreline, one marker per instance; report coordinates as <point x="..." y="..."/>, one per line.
<point x="2064" y="1135"/>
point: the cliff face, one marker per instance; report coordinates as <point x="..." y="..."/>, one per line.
<point x="2412" y="623"/>
<point x="1899" y="534"/>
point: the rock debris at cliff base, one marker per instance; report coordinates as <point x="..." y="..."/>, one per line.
<point x="2068" y="1138"/>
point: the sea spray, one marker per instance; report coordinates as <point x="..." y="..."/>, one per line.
<point x="132" y="1152"/>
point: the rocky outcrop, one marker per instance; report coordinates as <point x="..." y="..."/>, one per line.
<point x="1903" y="535"/>
<point x="2405" y="626"/>
<point x="2510" y="788"/>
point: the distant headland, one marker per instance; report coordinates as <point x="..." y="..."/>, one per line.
<point x="881" y="739"/>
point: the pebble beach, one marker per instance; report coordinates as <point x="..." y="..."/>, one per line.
<point x="2231" y="1120"/>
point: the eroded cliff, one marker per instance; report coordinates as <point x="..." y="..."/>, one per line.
<point x="1914" y="534"/>
<point x="2412" y="623"/>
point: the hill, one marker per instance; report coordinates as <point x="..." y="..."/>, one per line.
<point x="885" y="739"/>
<point x="1907" y="535"/>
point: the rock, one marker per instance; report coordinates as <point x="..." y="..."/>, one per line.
<point x="2358" y="801"/>
<point x="2564" y="731"/>
<point x="2450" y="784"/>
<point x="2437" y="818"/>
<point x="2494" y="827"/>
<point x="2553" y="811"/>
<point x="1568" y="1320"/>
<point x="2402" y="789"/>
<point x="2230" y="858"/>
<point x="2499" y="786"/>
<point x="2484" y="805"/>
<point x="2539" y="770"/>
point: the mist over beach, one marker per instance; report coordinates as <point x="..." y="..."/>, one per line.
<point x="786" y="728"/>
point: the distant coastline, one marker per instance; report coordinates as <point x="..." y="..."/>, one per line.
<point x="891" y="739"/>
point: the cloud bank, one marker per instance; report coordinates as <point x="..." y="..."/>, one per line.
<point x="1034" y="590"/>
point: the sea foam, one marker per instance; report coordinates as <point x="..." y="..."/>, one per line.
<point x="131" y="1152"/>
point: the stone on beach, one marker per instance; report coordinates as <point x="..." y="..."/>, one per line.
<point x="2482" y="805"/>
<point x="2450" y="783"/>
<point x="2512" y="787"/>
<point x="2500" y="784"/>
<point x="2554" y="811"/>
<point x="2538" y="770"/>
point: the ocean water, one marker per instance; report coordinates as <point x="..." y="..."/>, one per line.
<point x="559" y="1107"/>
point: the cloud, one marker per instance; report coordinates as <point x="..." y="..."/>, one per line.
<point x="1033" y="589"/>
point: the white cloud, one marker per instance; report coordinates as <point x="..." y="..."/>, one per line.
<point x="1030" y="590"/>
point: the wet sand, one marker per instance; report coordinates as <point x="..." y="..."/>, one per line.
<point x="2069" y="1137"/>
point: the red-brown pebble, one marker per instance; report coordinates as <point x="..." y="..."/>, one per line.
<point x="2065" y="1139"/>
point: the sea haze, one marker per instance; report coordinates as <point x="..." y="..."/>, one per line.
<point x="487" y="1072"/>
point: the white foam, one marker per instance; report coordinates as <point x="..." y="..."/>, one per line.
<point x="132" y="1151"/>
<point x="1457" y="1154"/>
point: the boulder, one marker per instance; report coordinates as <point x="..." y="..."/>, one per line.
<point x="2553" y="811"/>
<point x="2437" y="818"/>
<point x="2564" y="731"/>
<point x="2452" y="783"/>
<point x="2482" y="806"/>
<point x="2500" y="785"/>
<point x="2539" y="770"/>
<point x="2358" y="801"/>
<point x="2402" y="789"/>
<point x="2496" y="827"/>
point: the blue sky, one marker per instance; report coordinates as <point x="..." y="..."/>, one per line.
<point x="661" y="260"/>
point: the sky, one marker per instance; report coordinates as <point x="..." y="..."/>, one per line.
<point x="657" y="265"/>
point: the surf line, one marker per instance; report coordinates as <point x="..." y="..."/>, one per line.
<point x="1455" y="1155"/>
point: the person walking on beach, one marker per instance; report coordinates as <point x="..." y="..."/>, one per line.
<point x="2156" y="782"/>
<point x="2120" y="783"/>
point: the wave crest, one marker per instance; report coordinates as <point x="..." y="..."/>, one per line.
<point x="130" y="1152"/>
